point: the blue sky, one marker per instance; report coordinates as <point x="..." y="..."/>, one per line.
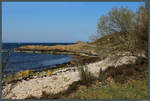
<point x="54" y="21"/>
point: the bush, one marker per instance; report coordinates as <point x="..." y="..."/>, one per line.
<point x="86" y="77"/>
<point x="27" y="73"/>
<point x="49" y="73"/>
<point x="102" y="75"/>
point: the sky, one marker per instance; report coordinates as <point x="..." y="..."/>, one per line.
<point x="54" y="21"/>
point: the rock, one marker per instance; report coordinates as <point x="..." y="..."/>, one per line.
<point x="36" y="86"/>
<point x="57" y="83"/>
<point x="6" y="89"/>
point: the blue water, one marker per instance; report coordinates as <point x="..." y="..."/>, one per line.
<point x="24" y="61"/>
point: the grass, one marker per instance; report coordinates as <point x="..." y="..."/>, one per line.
<point x="116" y="84"/>
<point x="110" y="45"/>
<point x="127" y="82"/>
<point x="131" y="90"/>
<point x="136" y="89"/>
<point x="124" y="82"/>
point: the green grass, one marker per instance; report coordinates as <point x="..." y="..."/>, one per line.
<point x="132" y="84"/>
<point x="131" y="90"/>
<point x="128" y="82"/>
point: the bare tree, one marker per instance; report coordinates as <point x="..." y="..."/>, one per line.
<point x="128" y="28"/>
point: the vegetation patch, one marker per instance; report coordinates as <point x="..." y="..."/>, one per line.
<point x="125" y="82"/>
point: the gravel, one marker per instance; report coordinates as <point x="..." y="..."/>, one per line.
<point x="60" y="81"/>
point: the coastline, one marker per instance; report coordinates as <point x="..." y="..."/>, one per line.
<point x="67" y="74"/>
<point x="65" y="77"/>
<point x="78" y="48"/>
<point x="43" y="72"/>
<point x="81" y="57"/>
<point x="61" y="54"/>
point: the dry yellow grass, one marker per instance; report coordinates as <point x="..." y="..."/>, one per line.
<point x="73" y="47"/>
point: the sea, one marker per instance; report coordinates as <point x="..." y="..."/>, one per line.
<point x="19" y="61"/>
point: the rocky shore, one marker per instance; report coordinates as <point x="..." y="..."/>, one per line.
<point x="60" y="80"/>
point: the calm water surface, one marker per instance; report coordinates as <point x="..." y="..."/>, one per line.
<point x="23" y="61"/>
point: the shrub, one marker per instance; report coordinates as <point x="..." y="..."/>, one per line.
<point x="27" y="73"/>
<point x="86" y="77"/>
<point x="102" y="76"/>
<point x="49" y="73"/>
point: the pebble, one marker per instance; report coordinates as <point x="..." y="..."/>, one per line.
<point x="57" y="83"/>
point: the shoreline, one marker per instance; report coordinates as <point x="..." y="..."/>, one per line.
<point x="75" y="62"/>
<point x="81" y="56"/>
<point x="78" y="48"/>
<point x="59" y="78"/>
<point x="65" y="77"/>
